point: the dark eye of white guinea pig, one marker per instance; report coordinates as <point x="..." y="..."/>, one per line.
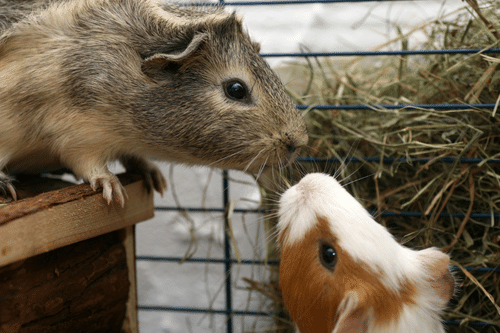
<point x="236" y="90"/>
<point x="327" y="255"/>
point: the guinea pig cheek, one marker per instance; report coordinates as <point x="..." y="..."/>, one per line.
<point x="377" y="305"/>
<point x="310" y="294"/>
<point x="362" y="298"/>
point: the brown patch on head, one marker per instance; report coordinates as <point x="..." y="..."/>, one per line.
<point x="312" y="293"/>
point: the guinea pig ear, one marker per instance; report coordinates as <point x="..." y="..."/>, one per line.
<point x="349" y="318"/>
<point x="153" y="65"/>
<point x="436" y="264"/>
<point x="256" y="46"/>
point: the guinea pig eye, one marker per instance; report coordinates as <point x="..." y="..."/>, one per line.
<point x="236" y="90"/>
<point x="327" y="256"/>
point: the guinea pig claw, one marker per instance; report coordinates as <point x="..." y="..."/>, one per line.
<point x="7" y="188"/>
<point x="93" y="184"/>
<point x="148" y="181"/>
<point x="12" y="190"/>
<point x="153" y="179"/>
<point x="111" y="189"/>
<point x="159" y="181"/>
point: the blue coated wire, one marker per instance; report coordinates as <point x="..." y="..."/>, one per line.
<point x="262" y="314"/>
<point x="400" y="106"/>
<point x="270" y="262"/>
<point x="273" y="3"/>
<point x="375" y="213"/>
<point x="205" y="310"/>
<point x="207" y="260"/>
<point x="227" y="255"/>
<point x="378" y="53"/>
<point x="392" y="160"/>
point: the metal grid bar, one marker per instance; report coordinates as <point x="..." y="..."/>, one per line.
<point x="375" y="213"/>
<point x="379" y="53"/>
<point x="270" y="262"/>
<point x="227" y="256"/>
<point x="204" y="311"/>
<point x="279" y="2"/>
<point x="398" y="106"/>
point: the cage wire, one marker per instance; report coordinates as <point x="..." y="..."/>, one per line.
<point x="417" y="133"/>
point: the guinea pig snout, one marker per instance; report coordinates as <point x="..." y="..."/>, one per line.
<point x="292" y="142"/>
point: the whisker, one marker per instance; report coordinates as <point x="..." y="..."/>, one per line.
<point x="356" y="180"/>
<point x="253" y="160"/>
<point x="349" y="175"/>
<point x="297" y="166"/>
<point x="224" y="158"/>
<point x="261" y="169"/>
<point x="343" y="165"/>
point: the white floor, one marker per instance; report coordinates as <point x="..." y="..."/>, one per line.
<point x="316" y="27"/>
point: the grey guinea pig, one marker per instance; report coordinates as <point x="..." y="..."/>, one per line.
<point x="87" y="82"/>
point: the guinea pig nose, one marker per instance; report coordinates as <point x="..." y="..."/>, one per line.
<point x="292" y="147"/>
<point x="295" y="142"/>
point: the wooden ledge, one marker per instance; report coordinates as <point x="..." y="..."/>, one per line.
<point x="45" y="219"/>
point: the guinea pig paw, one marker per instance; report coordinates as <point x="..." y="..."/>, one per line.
<point x="111" y="189"/>
<point x="152" y="175"/>
<point x="153" y="178"/>
<point x="6" y="186"/>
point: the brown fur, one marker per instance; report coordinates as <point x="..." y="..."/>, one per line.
<point x="83" y="83"/>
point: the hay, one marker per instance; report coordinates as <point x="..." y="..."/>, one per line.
<point x="440" y="184"/>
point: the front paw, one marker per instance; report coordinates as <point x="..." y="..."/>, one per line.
<point x="112" y="189"/>
<point x="153" y="178"/>
<point x="6" y="186"/>
<point x="152" y="175"/>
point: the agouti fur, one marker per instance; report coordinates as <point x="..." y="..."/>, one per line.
<point x="87" y="82"/>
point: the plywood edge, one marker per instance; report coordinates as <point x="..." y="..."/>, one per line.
<point x="66" y="216"/>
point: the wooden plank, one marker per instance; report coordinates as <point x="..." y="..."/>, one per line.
<point x="82" y="287"/>
<point x="54" y="219"/>
<point x="131" y="321"/>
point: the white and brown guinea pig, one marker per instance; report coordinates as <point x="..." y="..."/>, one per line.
<point x="342" y="272"/>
